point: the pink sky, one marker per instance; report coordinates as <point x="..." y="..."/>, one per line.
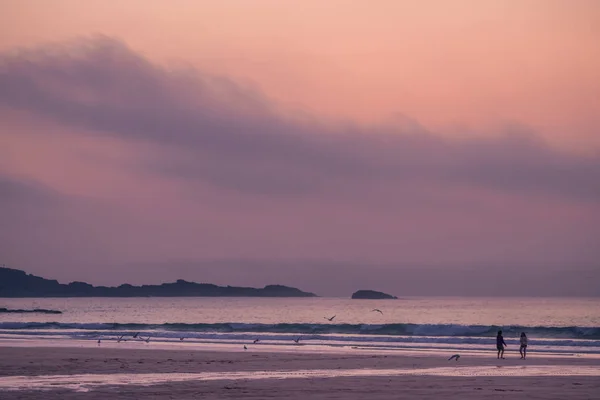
<point x="281" y="137"/>
<point x="450" y="65"/>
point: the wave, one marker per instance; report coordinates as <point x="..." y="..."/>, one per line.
<point x="275" y="338"/>
<point x="415" y="330"/>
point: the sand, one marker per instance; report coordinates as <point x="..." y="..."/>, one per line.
<point x="110" y="371"/>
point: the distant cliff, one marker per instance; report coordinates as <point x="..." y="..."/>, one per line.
<point x="16" y="283"/>
<point x="371" y="294"/>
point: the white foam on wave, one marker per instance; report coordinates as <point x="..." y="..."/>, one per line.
<point x="323" y="341"/>
<point x="87" y="382"/>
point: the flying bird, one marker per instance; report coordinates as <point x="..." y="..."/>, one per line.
<point x="456" y="356"/>
<point x="329" y="319"/>
<point x="377" y="310"/>
<point x="181" y="338"/>
<point x="298" y="340"/>
<point x="256" y="341"/>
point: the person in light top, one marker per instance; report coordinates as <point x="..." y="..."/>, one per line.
<point x="523" y="348"/>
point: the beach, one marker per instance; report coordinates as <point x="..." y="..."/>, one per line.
<point x="113" y="371"/>
<point x="193" y="348"/>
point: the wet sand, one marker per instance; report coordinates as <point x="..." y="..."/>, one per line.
<point x="262" y="373"/>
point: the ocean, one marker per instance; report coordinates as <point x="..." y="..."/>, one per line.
<point x="553" y="325"/>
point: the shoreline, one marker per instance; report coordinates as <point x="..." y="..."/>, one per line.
<point x="265" y="347"/>
<point x="99" y="372"/>
<point x="306" y="345"/>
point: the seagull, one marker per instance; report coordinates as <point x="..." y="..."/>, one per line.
<point x="329" y="319"/>
<point x="256" y="341"/>
<point x="245" y="348"/>
<point x="378" y="310"/>
<point x="456" y="356"/>
<point x="298" y="340"/>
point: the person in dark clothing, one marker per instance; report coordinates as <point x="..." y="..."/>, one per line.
<point x="500" y="344"/>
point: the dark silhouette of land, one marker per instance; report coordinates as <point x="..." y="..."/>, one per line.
<point x="17" y="283"/>
<point x="35" y="310"/>
<point x="371" y="294"/>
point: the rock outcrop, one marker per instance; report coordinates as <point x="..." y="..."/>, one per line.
<point x="372" y="294"/>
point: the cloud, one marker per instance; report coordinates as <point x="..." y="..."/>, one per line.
<point x="215" y="131"/>
<point x="120" y="165"/>
<point x="60" y="235"/>
<point x="25" y="192"/>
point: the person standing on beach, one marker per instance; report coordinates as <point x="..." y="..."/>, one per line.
<point x="500" y="344"/>
<point x="523" y="348"/>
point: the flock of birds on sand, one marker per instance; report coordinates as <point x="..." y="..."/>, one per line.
<point x="134" y="336"/>
<point x="255" y="341"/>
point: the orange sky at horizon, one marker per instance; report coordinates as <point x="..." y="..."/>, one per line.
<point x="449" y="65"/>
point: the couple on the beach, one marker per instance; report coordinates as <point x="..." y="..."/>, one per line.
<point x="501" y="344"/>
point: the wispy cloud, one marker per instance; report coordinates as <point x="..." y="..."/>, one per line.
<point x="217" y="131"/>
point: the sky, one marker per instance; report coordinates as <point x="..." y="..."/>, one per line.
<point x="418" y="148"/>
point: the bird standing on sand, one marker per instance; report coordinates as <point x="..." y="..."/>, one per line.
<point x="98" y="342"/>
<point x="245" y="348"/>
<point x="329" y="319"/>
<point x="298" y="340"/>
<point x="377" y="310"/>
<point x="456" y="356"/>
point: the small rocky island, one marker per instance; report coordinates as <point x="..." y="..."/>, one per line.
<point x="17" y="283"/>
<point x="372" y="294"/>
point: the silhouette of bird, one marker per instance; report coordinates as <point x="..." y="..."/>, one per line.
<point x="98" y="341"/>
<point x="245" y="348"/>
<point x="298" y="340"/>
<point x="256" y="341"/>
<point x="181" y="338"/>
<point x="456" y="356"/>
<point x="377" y="310"/>
<point x="329" y="319"/>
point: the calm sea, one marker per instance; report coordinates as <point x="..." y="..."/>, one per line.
<point x="562" y="325"/>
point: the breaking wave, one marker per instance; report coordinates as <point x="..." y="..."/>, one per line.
<point x="412" y="330"/>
